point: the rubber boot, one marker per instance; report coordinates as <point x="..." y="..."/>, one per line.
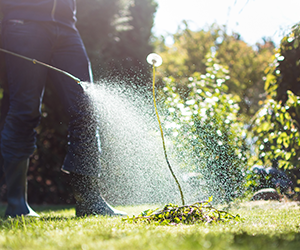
<point x="16" y="182"/>
<point x="88" y="198"/>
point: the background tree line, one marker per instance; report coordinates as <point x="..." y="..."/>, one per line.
<point x="246" y="64"/>
<point x="236" y="77"/>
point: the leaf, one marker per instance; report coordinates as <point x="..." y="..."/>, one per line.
<point x="265" y="126"/>
<point x="177" y="220"/>
<point x="188" y="214"/>
<point x="288" y="155"/>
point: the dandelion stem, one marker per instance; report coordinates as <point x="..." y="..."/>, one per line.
<point x="163" y="140"/>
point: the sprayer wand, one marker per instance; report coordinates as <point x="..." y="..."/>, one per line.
<point x="156" y="61"/>
<point x="41" y="63"/>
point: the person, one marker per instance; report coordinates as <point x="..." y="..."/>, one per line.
<point x="45" y="30"/>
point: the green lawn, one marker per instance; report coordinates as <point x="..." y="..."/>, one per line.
<point x="266" y="225"/>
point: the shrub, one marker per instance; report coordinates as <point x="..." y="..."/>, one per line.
<point x="204" y="125"/>
<point x="276" y="124"/>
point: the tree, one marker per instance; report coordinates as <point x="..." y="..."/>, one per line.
<point x="95" y="24"/>
<point x="277" y="123"/>
<point x="117" y="35"/>
<point x="187" y="54"/>
<point x="287" y="72"/>
<point x="246" y="64"/>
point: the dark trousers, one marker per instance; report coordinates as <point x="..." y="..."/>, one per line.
<point x="62" y="47"/>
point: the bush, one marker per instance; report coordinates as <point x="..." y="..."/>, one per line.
<point x="204" y="125"/>
<point x="278" y="143"/>
<point x="276" y="124"/>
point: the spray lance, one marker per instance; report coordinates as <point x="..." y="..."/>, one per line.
<point x="34" y="61"/>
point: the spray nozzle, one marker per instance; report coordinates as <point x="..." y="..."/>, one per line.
<point x="154" y="59"/>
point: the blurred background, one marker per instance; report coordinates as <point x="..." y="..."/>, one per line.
<point x="233" y="66"/>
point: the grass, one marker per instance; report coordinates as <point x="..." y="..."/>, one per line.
<point x="266" y="225"/>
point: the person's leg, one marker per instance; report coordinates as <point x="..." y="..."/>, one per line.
<point x="83" y="157"/>
<point x="26" y="85"/>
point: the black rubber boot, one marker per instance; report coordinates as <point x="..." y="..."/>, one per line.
<point x="16" y="182"/>
<point x="88" y="198"/>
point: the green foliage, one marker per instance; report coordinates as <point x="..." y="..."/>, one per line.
<point x="246" y="64"/>
<point x="284" y="73"/>
<point x="280" y="132"/>
<point x="199" y="212"/>
<point x="278" y="135"/>
<point x="255" y="182"/>
<point x="205" y="124"/>
<point x="277" y="123"/>
<point x="187" y="54"/>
